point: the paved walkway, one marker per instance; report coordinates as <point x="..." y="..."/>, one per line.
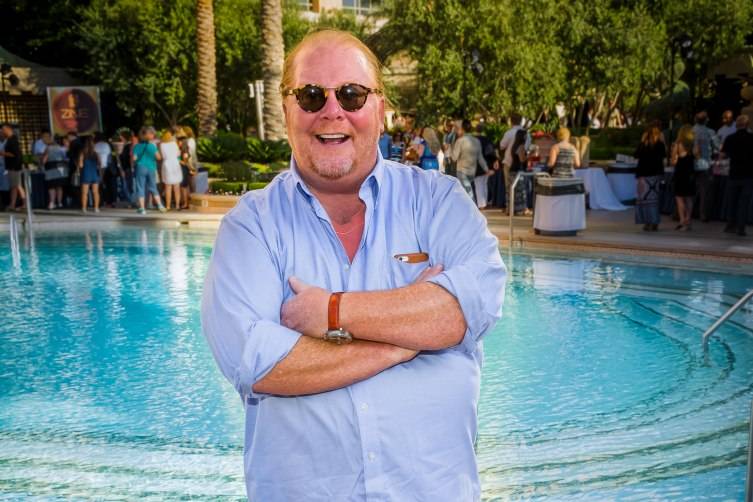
<point x="615" y="231"/>
<point x="607" y="232"/>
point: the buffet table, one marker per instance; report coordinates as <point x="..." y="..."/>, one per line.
<point x="600" y="194"/>
<point x="621" y="177"/>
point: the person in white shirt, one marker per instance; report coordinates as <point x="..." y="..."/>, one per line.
<point x="103" y="149"/>
<point x="505" y="145"/>
<point x="40" y="145"/>
<point x="728" y="125"/>
<point x="172" y="174"/>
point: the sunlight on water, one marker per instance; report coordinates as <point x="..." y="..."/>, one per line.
<point x="594" y="384"/>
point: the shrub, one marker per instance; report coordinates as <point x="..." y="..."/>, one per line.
<point x="238" y="170"/>
<point x="233" y="187"/>
<point x="267" y="151"/>
<point x="214" y="170"/>
<point x="222" y="147"/>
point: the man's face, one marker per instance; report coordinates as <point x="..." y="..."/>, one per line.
<point x="7" y="131"/>
<point x="727" y="118"/>
<point x="353" y="152"/>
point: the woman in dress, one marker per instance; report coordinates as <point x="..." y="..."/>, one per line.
<point x="172" y="175"/>
<point x="55" y="164"/>
<point x="90" y="168"/>
<point x="649" y="174"/>
<point x="563" y="157"/>
<point x="683" y="180"/>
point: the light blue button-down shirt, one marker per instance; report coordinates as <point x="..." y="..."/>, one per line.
<point x="405" y="434"/>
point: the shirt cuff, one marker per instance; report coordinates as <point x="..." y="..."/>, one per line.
<point x="461" y="283"/>
<point x="267" y="344"/>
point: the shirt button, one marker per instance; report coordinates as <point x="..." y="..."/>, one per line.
<point x="346" y="266"/>
<point x="372" y="456"/>
<point x="364" y="406"/>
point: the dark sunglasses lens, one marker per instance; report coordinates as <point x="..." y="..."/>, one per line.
<point x="352" y="97"/>
<point x="311" y="98"/>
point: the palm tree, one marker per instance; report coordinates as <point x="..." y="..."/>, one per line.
<point x="207" y="73"/>
<point x="273" y="53"/>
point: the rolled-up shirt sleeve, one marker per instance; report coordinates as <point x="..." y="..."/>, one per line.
<point x="240" y="308"/>
<point x="473" y="269"/>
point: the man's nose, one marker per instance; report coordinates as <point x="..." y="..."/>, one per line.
<point x="332" y="109"/>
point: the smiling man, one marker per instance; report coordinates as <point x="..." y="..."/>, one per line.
<point x="346" y="303"/>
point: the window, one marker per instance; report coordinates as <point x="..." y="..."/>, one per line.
<point x="360" y="6"/>
<point x="306" y="5"/>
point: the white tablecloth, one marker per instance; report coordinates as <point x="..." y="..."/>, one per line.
<point x="560" y="213"/>
<point x="623" y="184"/>
<point x="600" y="194"/>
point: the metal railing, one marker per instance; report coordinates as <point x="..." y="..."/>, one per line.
<point x="511" y="200"/>
<point x="749" y="477"/>
<point x="14" y="247"/>
<point x="734" y="308"/>
<point x="28" y="224"/>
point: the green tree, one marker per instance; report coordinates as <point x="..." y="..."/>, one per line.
<point x="717" y="30"/>
<point x="143" y="52"/>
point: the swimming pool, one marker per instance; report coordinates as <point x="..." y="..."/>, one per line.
<point x="594" y="384"/>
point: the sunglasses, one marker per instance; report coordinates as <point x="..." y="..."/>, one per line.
<point x="312" y="98"/>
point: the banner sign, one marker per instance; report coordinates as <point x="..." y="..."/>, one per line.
<point x="74" y="109"/>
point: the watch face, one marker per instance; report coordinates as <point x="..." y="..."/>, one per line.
<point x="338" y="336"/>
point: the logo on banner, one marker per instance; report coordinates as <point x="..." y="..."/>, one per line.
<point x="74" y="109"/>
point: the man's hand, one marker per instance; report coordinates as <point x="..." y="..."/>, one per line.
<point x="306" y="312"/>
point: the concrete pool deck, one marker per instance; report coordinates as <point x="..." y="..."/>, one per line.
<point x="607" y="232"/>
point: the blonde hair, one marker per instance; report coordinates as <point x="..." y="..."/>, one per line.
<point x="686" y="137"/>
<point x="339" y="38"/>
<point x="651" y="136"/>
<point x="563" y="134"/>
<point x="167" y="136"/>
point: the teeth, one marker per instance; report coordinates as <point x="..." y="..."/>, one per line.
<point x="332" y="136"/>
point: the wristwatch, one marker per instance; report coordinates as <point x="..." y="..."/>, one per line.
<point x="335" y="333"/>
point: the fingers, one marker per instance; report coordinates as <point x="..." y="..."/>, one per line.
<point x="429" y="272"/>
<point x="297" y="285"/>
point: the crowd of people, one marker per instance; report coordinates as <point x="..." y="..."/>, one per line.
<point x="129" y="170"/>
<point x="704" y="163"/>
<point x="706" y="173"/>
<point x="141" y="170"/>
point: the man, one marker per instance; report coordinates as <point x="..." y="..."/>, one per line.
<point x="468" y="156"/>
<point x="707" y="144"/>
<point x="13" y="166"/>
<point x="40" y="146"/>
<point x="504" y="145"/>
<point x="448" y="141"/>
<point x="485" y="197"/>
<point x="739" y="148"/>
<point x="391" y="415"/>
<point x="728" y="125"/>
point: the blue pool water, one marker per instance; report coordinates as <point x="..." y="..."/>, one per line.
<point x="594" y="387"/>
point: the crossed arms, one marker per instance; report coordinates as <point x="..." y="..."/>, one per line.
<point x="389" y="327"/>
<point x="263" y="349"/>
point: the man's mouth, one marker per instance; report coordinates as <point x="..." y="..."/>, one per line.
<point x="332" y="139"/>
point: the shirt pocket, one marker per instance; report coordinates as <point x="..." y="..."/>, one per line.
<point x="403" y="273"/>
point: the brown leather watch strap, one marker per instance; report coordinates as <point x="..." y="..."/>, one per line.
<point x="334" y="311"/>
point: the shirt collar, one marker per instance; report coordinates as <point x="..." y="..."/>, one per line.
<point x="373" y="180"/>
